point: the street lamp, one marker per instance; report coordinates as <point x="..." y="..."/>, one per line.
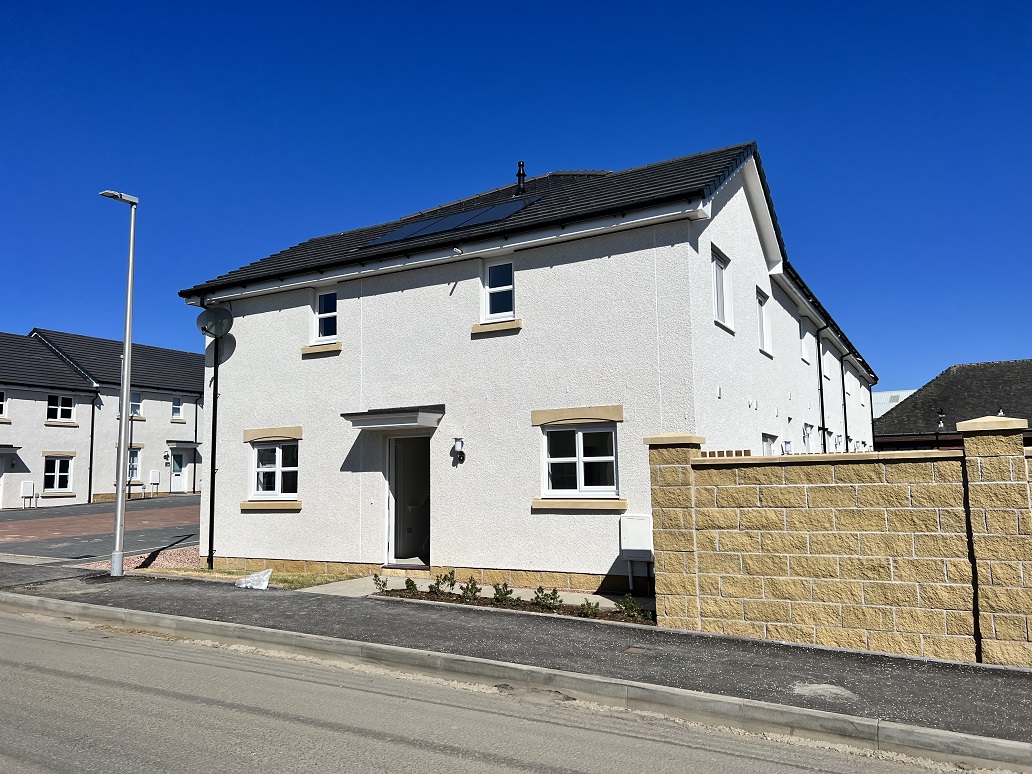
<point x="117" y="568"/>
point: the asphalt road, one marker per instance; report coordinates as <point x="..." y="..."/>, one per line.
<point x="78" y="699"/>
<point x="80" y="533"/>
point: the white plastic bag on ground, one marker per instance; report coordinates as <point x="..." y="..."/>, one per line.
<point x="256" y="580"/>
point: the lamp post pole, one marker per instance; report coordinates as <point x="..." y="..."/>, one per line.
<point x="117" y="566"/>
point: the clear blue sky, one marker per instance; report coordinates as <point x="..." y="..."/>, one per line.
<point x="895" y="138"/>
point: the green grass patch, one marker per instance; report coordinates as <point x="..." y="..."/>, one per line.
<point x="289" y="580"/>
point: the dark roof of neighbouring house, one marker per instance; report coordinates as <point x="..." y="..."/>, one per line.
<point x="154" y="367"/>
<point x="556" y="199"/>
<point x="963" y="392"/>
<point x="28" y="362"/>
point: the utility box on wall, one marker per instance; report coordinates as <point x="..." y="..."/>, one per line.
<point x="636" y="546"/>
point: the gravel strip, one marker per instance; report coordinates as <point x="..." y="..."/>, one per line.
<point x="171" y="558"/>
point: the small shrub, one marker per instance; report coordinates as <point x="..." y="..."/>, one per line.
<point x="470" y="592"/>
<point x="410" y="585"/>
<point x="503" y="596"/>
<point x="380" y="584"/>
<point x="629" y="606"/>
<point x="587" y="609"/>
<point x="443" y="581"/>
<point x="549" y="600"/>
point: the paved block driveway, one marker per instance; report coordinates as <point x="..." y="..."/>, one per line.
<point x="83" y="532"/>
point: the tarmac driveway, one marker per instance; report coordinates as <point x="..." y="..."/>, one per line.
<point x="80" y="533"/>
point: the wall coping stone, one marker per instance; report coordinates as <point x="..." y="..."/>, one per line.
<point x="799" y="459"/>
<point x="674" y="439"/>
<point x="986" y="424"/>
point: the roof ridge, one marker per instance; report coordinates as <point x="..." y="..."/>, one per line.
<point x="45" y="331"/>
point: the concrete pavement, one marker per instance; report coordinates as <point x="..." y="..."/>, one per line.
<point x="142" y="704"/>
<point x="874" y="700"/>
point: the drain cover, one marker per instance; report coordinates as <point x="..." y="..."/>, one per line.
<point x="635" y="650"/>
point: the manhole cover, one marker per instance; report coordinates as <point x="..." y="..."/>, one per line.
<point x="635" y="650"/>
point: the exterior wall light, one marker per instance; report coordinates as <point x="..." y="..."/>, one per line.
<point x="457" y="451"/>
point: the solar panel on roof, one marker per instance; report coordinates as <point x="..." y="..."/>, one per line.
<point x="463" y="219"/>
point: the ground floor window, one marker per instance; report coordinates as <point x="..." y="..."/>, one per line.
<point x="134" y="464"/>
<point x="580" y="461"/>
<point x="275" y="467"/>
<point x="57" y="474"/>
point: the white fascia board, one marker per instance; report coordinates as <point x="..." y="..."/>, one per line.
<point x="696" y="209"/>
<point x="762" y="217"/>
<point x="775" y="260"/>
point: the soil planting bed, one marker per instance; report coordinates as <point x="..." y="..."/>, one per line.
<point x="573" y="611"/>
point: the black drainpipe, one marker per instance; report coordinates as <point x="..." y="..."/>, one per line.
<point x="820" y="389"/>
<point x="93" y="423"/>
<point x="211" y="466"/>
<point x="193" y="481"/>
<point x="845" y="411"/>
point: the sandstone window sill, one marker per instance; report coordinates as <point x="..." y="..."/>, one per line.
<point x="177" y="421"/>
<point x="49" y="495"/>
<point x="60" y="424"/>
<point x="4" y="421"/>
<point x="585" y="504"/>
<point x="497" y="327"/>
<point x="330" y="348"/>
<point x="271" y="505"/>
<point x="133" y="417"/>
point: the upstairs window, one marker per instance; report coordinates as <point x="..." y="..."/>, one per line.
<point x="275" y="471"/>
<point x="177" y="408"/>
<point x="721" y="289"/>
<point x="326" y="316"/>
<point x="763" y="321"/>
<point x="60" y="408"/>
<point x="3" y="404"/>
<point x="499" y="292"/>
<point x="135" y="404"/>
<point x="581" y="461"/>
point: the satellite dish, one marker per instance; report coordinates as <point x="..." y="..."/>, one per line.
<point x="215" y="322"/>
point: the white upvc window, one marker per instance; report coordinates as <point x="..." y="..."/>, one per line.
<point x="177" y="408"/>
<point x="3" y="404"/>
<point x="60" y="408"/>
<point x="721" y="288"/>
<point x="57" y="474"/>
<point x="135" y="404"/>
<point x="134" y="465"/>
<point x="275" y="471"/>
<point x="580" y="461"/>
<point x="499" y="298"/>
<point x="326" y="316"/>
<point x="763" y="321"/>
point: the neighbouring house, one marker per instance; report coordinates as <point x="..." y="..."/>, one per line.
<point x="927" y="419"/>
<point x="883" y="400"/>
<point x="59" y="396"/>
<point x="471" y="386"/>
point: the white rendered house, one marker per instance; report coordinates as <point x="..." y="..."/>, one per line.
<point x="471" y="386"/>
<point x="59" y="396"/>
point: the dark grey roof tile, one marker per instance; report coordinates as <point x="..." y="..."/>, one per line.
<point x="28" y="362"/>
<point x="154" y="367"/>
<point x="963" y="392"/>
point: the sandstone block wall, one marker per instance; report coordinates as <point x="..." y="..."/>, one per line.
<point x="865" y="551"/>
